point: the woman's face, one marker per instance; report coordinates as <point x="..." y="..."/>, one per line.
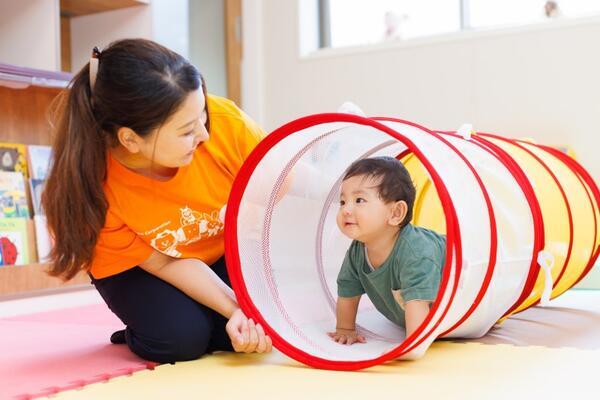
<point x="174" y="143"/>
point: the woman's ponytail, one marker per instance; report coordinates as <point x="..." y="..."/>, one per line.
<point x="74" y="199"/>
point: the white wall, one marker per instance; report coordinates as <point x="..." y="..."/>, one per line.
<point x="539" y="82"/>
<point x="170" y="24"/>
<point x="100" y="29"/>
<point x="207" y="43"/>
<point x="29" y="33"/>
<point x="252" y="66"/>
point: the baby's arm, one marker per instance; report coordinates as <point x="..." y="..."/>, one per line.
<point x="345" y="330"/>
<point x="415" y="313"/>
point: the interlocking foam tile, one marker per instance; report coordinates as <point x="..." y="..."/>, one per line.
<point x="506" y="363"/>
<point x="448" y="371"/>
<point x="48" y="352"/>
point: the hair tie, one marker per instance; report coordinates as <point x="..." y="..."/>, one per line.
<point x="94" y="61"/>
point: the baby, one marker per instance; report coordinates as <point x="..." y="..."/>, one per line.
<point x="396" y="264"/>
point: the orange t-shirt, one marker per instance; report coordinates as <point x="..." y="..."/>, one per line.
<point x="178" y="217"/>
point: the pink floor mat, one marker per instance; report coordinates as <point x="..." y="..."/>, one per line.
<point x="46" y="353"/>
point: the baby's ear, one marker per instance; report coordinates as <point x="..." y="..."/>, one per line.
<point x="399" y="211"/>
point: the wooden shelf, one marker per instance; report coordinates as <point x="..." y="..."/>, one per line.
<point x="32" y="278"/>
<point x="25" y="97"/>
<point x="75" y="8"/>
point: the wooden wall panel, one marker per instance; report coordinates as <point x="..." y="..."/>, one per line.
<point x="24" y="114"/>
<point x="233" y="48"/>
<point x="65" y="43"/>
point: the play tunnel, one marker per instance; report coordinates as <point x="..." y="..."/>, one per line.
<point x="521" y="221"/>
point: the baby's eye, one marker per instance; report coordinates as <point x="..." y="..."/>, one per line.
<point x="360" y="200"/>
<point x="342" y="202"/>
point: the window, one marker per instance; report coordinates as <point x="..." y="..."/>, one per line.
<point x="344" y="23"/>
<point x="354" y="22"/>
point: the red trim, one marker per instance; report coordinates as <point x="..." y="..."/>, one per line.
<point x="452" y="230"/>
<point x="583" y="176"/>
<point x="232" y="255"/>
<point x="493" y="230"/>
<point x="518" y="144"/>
<point x="493" y="245"/>
<point x="534" y="205"/>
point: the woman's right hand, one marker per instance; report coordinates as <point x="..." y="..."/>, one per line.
<point x="247" y="336"/>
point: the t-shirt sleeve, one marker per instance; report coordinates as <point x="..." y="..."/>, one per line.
<point x="250" y="136"/>
<point x="118" y="248"/>
<point x="348" y="282"/>
<point x="419" y="281"/>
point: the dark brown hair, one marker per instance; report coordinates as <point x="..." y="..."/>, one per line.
<point x="139" y="85"/>
<point x="395" y="183"/>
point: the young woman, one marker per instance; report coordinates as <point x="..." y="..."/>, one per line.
<point x="144" y="160"/>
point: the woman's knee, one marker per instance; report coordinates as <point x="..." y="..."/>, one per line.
<point x="183" y="342"/>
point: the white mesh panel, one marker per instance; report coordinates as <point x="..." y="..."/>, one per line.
<point x="514" y="222"/>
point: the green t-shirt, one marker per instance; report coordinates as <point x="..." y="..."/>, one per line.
<point x="412" y="271"/>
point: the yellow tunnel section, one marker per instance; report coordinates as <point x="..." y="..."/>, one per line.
<point x="569" y="211"/>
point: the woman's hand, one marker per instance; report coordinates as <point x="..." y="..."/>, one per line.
<point x="247" y="336"/>
<point x="346" y="336"/>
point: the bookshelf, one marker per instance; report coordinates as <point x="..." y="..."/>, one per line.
<point x="25" y="96"/>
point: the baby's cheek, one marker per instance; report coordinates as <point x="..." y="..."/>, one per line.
<point x="339" y="221"/>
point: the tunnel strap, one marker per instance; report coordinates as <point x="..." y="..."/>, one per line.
<point x="546" y="261"/>
<point x="466" y="131"/>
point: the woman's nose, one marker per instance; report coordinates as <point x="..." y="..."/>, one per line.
<point x="202" y="133"/>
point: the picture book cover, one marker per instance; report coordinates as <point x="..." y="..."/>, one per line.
<point x="43" y="241"/>
<point x="37" y="187"/>
<point x="39" y="161"/>
<point x="14" y="246"/>
<point x="13" y="157"/>
<point x="13" y="196"/>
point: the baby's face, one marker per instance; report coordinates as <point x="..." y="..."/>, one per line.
<point x="362" y="215"/>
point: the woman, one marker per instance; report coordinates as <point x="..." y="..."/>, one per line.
<point x="144" y="160"/>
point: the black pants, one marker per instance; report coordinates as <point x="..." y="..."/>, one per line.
<point x="164" y="324"/>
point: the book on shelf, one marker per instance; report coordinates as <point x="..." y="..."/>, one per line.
<point x="42" y="238"/>
<point x="39" y="161"/>
<point x="13" y="157"/>
<point x="36" y="187"/>
<point x="14" y="241"/>
<point x="13" y="195"/>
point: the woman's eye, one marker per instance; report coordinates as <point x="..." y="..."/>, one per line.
<point x="188" y="133"/>
<point x="342" y="202"/>
<point x="360" y="200"/>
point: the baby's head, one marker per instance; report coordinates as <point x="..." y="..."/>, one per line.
<point x="377" y="193"/>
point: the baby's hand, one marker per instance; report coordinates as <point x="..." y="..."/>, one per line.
<point x="346" y="336"/>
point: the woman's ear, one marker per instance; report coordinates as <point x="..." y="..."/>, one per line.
<point x="399" y="211"/>
<point x="130" y="140"/>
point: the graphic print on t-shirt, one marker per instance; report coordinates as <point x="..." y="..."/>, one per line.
<point x="193" y="226"/>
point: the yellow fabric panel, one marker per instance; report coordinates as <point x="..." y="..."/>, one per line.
<point x="427" y="210"/>
<point x="581" y="213"/>
<point x="554" y="214"/>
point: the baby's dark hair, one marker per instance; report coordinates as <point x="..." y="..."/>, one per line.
<point x="395" y="181"/>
